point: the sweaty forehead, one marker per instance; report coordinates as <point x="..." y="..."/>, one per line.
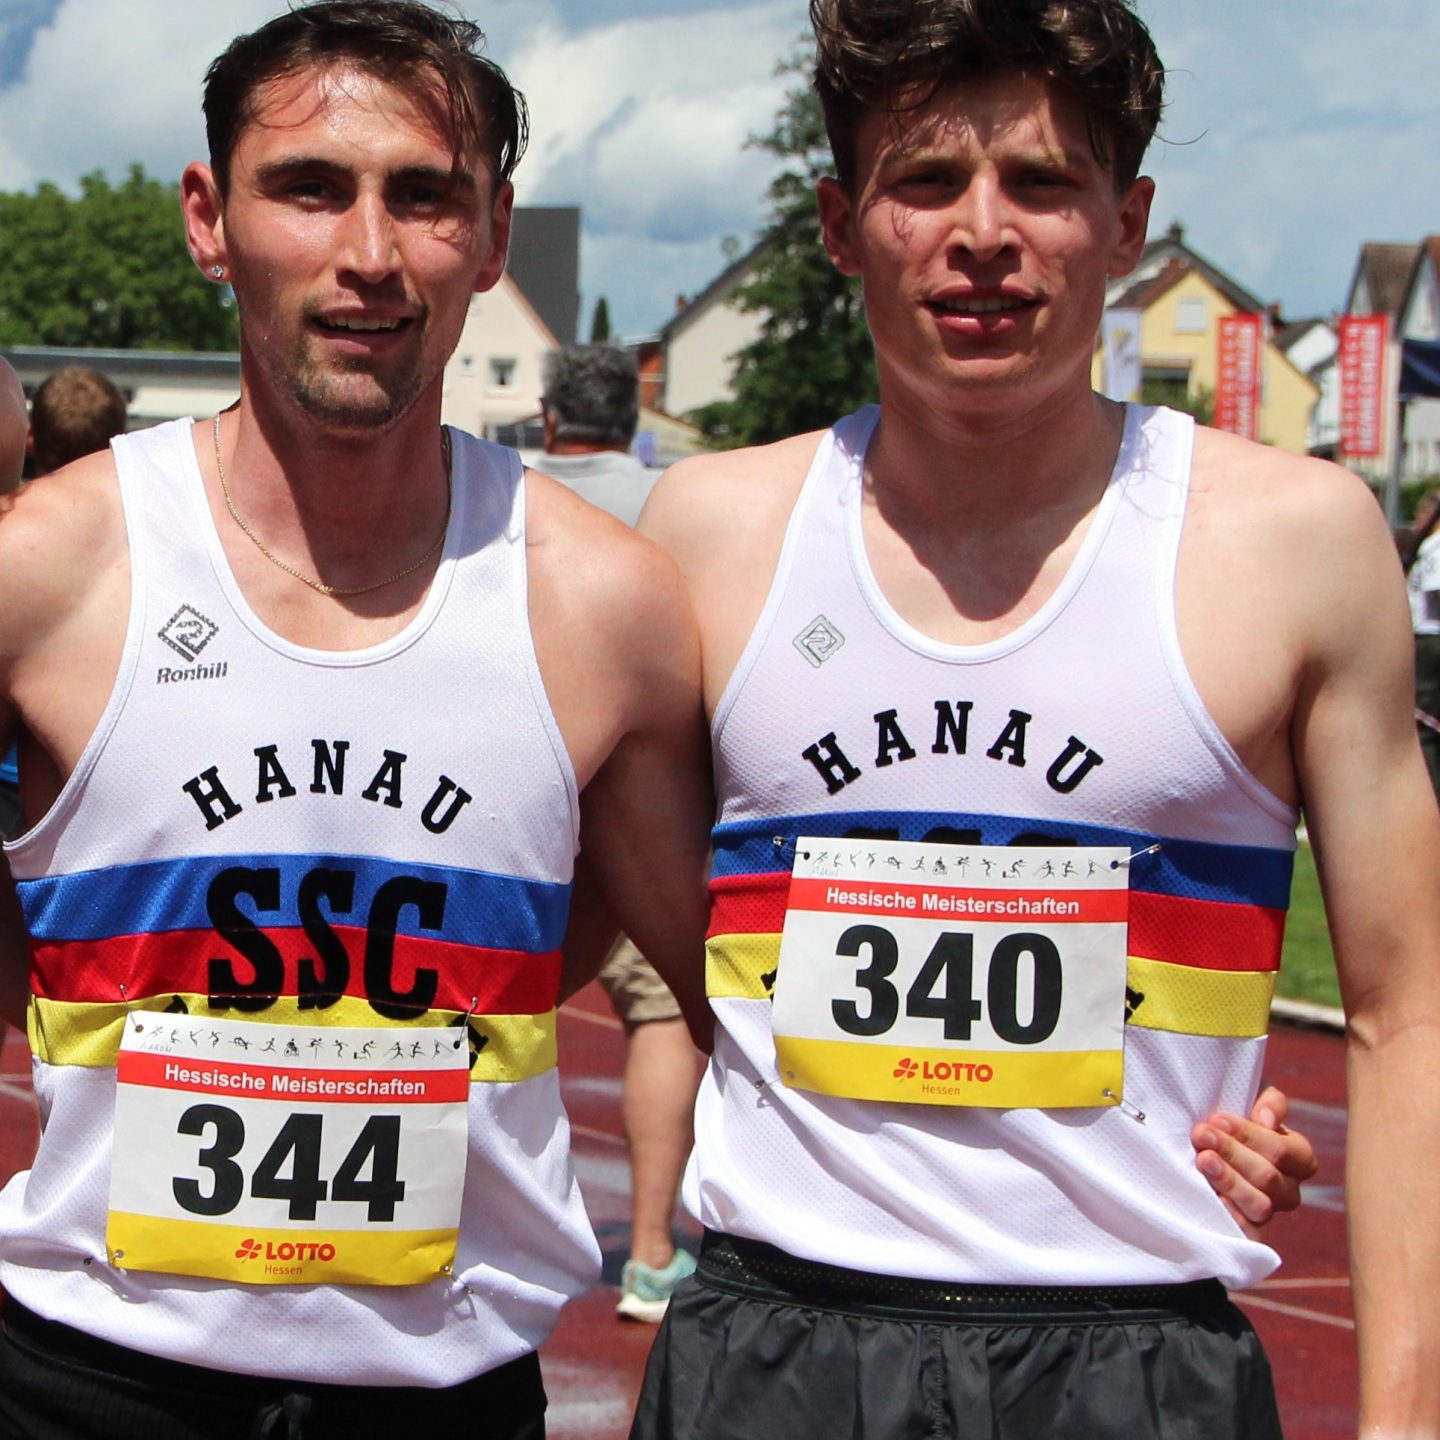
<point x="1008" y="113"/>
<point x="343" y="102"/>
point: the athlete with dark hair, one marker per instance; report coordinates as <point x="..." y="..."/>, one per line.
<point x="304" y="736"/>
<point x="1016" y="694"/>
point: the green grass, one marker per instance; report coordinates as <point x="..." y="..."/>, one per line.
<point x="1307" y="966"/>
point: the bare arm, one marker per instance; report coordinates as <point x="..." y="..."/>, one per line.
<point x="1376" y="831"/>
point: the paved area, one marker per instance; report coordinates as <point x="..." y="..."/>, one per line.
<point x="593" y="1362"/>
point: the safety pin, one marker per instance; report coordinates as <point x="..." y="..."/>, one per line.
<point x="1148" y="850"/>
<point x="465" y="1023"/>
<point x="130" y="1014"/>
<point x="1126" y="1107"/>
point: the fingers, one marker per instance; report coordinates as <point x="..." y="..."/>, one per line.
<point x="1258" y="1170"/>
<point x="1270" y="1108"/>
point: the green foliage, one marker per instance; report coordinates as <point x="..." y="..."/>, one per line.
<point x="600" y="323"/>
<point x="1178" y="395"/>
<point x="813" y="360"/>
<point x="108" y="269"/>
<point x="1307" y="966"/>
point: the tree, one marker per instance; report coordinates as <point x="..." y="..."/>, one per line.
<point x="600" y="323"/>
<point x="108" y="269"/>
<point x="813" y="359"/>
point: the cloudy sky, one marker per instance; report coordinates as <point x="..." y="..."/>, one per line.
<point x="1297" y="128"/>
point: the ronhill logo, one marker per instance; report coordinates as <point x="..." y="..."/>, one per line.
<point x="187" y="632"/>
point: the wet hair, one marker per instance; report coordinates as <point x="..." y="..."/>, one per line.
<point x="893" y="55"/>
<point x="593" y="393"/>
<point x="402" y="42"/>
<point x="74" y="412"/>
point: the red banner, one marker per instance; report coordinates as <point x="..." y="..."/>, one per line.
<point x="1237" y="389"/>
<point x="1362" y="384"/>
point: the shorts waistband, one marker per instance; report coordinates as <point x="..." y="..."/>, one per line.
<point x="752" y="1266"/>
<point x="54" y="1338"/>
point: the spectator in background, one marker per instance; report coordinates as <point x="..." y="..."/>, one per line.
<point x="12" y="428"/>
<point x="1422" y="581"/>
<point x="75" y="413"/>
<point x="12" y="456"/>
<point x="591" y="408"/>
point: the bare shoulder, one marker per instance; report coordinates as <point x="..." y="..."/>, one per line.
<point x="1272" y="496"/>
<point x="733" y="498"/>
<point x="592" y="559"/>
<point x="62" y="548"/>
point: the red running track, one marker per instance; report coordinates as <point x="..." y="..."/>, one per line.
<point x="593" y="1362"/>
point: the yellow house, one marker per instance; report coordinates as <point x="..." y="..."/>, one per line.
<point x="1181" y="299"/>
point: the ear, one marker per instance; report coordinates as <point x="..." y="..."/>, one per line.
<point x="1134" y="223"/>
<point x="837" y="225"/>
<point x="493" y="265"/>
<point x="204" y="212"/>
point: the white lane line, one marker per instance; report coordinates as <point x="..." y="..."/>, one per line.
<point x="1329" y="1282"/>
<point x="609" y="1022"/>
<point x="587" y="1133"/>
<point x="1244" y="1297"/>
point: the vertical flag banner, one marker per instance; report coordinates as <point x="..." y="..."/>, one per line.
<point x="1237" y="390"/>
<point x="1362" y="384"/>
<point x="1120" y="332"/>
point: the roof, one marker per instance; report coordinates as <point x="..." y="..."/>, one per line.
<point x="1386" y="269"/>
<point x="545" y="262"/>
<point x="1155" y="266"/>
<point x="716" y="292"/>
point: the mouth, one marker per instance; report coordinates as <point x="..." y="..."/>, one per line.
<point x="965" y="305"/>
<point x="362" y="324"/>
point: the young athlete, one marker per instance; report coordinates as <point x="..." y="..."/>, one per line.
<point x="303" y="735"/>
<point x="1016" y="697"/>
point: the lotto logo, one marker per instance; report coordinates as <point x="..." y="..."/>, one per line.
<point x="907" y="1069"/>
<point x="248" y="1250"/>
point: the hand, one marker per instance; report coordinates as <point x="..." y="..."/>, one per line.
<point x="1256" y="1166"/>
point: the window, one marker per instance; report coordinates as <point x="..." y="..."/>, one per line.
<point x="467" y="364"/>
<point x="1192" y="316"/>
<point x="502" y="372"/>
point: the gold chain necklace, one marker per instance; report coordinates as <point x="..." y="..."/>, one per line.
<point x="310" y="580"/>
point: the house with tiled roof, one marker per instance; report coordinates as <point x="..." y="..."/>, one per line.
<point x="1181" y="297"/>
<point x="1399" y="281"/>
<point x="690" y="362"/>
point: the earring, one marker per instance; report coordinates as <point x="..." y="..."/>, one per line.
<point x="218" y="271"/>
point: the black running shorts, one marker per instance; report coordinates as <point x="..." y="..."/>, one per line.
<point x="761" y="1346"/>
<point x="59" y="1384"/>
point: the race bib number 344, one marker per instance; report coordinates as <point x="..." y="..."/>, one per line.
<point x="288" y="1154"/>
<point x="954" y="974"/>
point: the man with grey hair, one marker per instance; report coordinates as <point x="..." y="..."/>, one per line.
<point x="591" y="407"/>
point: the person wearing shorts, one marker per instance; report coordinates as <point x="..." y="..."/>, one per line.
<point x="1016" y="695"/>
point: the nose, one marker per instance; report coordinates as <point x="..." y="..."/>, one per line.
<point x="368" y="249"/>
<point x="980" y="219"/>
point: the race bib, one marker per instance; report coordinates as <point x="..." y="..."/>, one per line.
<point x="954" y="974"/>
<point x="288" y="1154"/>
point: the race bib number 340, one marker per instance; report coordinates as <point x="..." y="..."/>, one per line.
<point x="288" y="1154"/>
<point x="954" y="974"/>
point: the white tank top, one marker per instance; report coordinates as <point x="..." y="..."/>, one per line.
<point x="248" y="808"/>
<point x="1082" y="725"/>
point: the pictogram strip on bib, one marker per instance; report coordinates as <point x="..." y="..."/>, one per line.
<point x="1221" y="1003"/>
<point x="1188" y="869"/>
<point x="517" y="1047"/>
<point x="917" y="1076"/>
<point x="247" y="1255"/>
